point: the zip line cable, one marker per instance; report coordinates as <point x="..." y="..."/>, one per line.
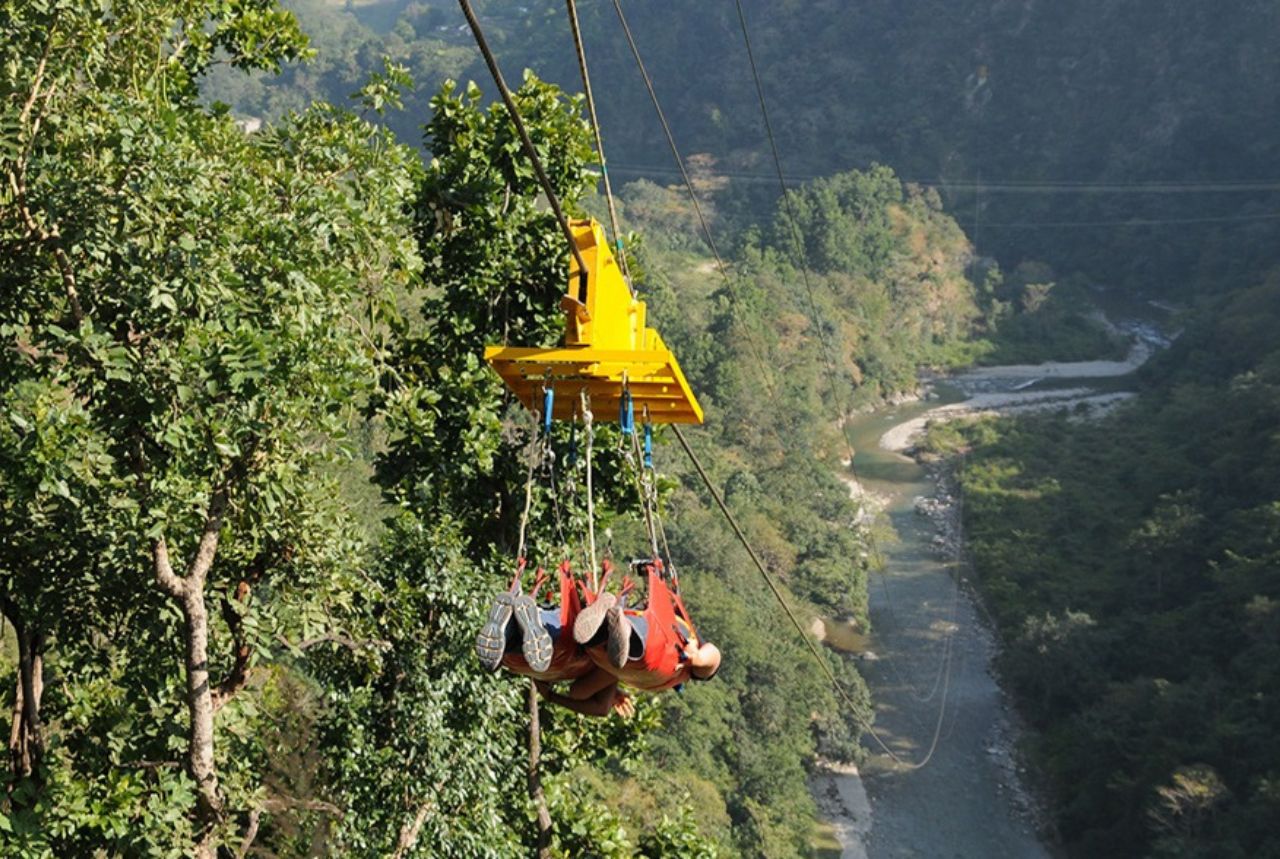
<point x="595" y="128"/>
<point x="945" y="664"/>
<point x="1136" y="222"/>
<point x="723" y="508"/>
<point x="1015" y="186"/>
<point x="795" y="621"/>
<point x="837" y="391"/>
<point x="688" y="184"/>
<point x="526" y="142"/>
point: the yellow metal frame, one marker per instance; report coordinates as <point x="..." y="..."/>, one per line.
<point x="607" y="349"/>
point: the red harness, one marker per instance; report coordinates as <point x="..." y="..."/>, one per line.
<point x="568" y="660"/>
<point x="662" y="666"/>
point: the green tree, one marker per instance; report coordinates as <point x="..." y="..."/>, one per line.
<point x="424" y="749"/>
<point x="192" y="306"/>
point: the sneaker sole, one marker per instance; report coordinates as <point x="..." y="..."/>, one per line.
<point x="619" y="637"/>
<point x="491" y="643"/>
<point x="537" y="647"/>
<point x="588" y="622"/>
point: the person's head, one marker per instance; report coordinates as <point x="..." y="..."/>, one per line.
<point x="706" y="662"/>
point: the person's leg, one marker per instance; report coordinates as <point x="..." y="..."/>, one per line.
<point x="589" y="625"/>
<point x="550" y="618"/>
<point x="619" y="644"/>
<point x="639" y="633"/>
<point x="536" y="643"/>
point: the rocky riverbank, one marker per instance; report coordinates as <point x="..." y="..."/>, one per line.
<point x="1010" y="389"/>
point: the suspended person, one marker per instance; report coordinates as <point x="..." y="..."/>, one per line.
<point x="652" y="649"/>
<point x="540" y="645"/>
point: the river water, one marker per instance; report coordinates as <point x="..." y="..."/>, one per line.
<point x="930" y="676"/>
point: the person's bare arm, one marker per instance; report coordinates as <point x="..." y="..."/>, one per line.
<point x="594" y="694"/>
<point x="591" y="684"/>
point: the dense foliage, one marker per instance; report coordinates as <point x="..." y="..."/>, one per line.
<point x="182" y="305"/>
<point x="1132" y="567"/>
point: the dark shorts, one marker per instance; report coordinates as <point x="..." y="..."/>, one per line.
<point x="550" y="618"/>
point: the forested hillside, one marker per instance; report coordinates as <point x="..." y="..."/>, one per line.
<point x="1132" y="568"/>
<point x="1132" y="141"/>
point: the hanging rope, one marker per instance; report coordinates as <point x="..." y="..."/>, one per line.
<point x="629" y="447"/>
<point x="526" y="142"/>
<point x="590" y="433"/>
<point x="532" y="453"/>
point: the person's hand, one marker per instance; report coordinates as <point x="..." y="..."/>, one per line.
<point x="623" y="705"/>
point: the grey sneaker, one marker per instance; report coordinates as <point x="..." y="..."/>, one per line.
<point x="491" y="643"/>
<point x="537" y="645"/>
<point x="591" y="618"/>
<point x="619" y="635"/>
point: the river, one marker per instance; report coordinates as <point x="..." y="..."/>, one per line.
<point x="931" y="675"/>
<point x="928" y="661"/>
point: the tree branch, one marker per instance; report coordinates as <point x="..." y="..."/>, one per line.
<point x="30" y="353"/>
<point x="40" y="67"/>
<point x="238" y="676"/>
<point x="166" y="579"/>
<point x="181" y="587"/>
<point x="409" y="831"/>
<point x="250" y="833"/>
<point x="335" y="638"/>
<point x="49" y="238"/>
<point x="284" y="803"/>
<point x="199" y="567"/>
<point x="151" y="765"/>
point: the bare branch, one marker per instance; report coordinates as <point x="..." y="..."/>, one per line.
<point x="51" y="239"/>
<point x="238" y="677"/>
<point x="199" y="567"/>
<point x="150" y="765"/>
<point x="39" y="76"/>
<point x="250" y="833"/>
<point x="285" y="803"/>
<point x="334" y="638"/>
<point x="166" y="579"/>
<point x="30" y="353"/>
<point x="409" y="832"/>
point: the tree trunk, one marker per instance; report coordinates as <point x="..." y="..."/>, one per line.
<point x="26" y="737"/>
<point x="535" y="777"/>
<point x="200" y="709"/>
<point x="188" y="592"/>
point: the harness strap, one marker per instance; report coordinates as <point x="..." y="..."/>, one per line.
<point x="684" y="614"/>
<point x="521" y="563"/>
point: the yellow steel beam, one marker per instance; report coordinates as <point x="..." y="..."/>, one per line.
<point x="607" y="347"/>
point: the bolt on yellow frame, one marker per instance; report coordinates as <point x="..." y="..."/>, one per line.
<point x="607" y="348"/>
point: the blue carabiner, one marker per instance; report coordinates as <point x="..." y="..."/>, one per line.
<point x="548" y="403"/>
<point x="648" y="445"/>
<point x="626" y="413"/>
